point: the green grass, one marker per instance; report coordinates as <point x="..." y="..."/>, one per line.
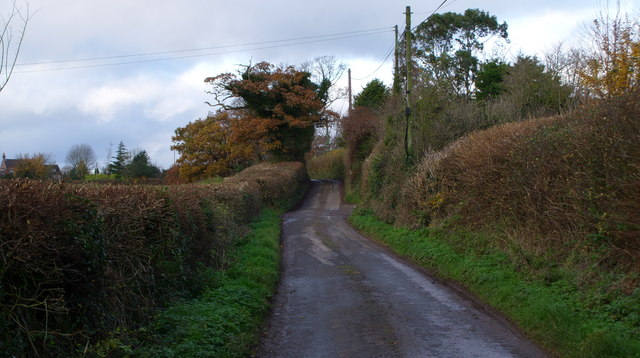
<point x="551" y="314"/>
<point x="93" y="177"/>
<point x="224" y="321"/>
<point x="212" y="180"/>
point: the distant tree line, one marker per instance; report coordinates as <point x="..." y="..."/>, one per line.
<point x="82" y="162"/>
<point x="127" y="164"/>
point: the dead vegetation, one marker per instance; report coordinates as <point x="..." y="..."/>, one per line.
<point x="564" y="189"/>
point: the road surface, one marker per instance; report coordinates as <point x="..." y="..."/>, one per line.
<point x="342" y="295"/>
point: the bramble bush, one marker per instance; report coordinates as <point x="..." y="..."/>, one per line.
<point x="78" y="262"/>
<point x="571" y="182"/>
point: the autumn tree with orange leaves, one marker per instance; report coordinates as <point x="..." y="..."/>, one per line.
<point x="263" y="112"/>
<point x="610" y="63"/>
<point x="209" y="147"/>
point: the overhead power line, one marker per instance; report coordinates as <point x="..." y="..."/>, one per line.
<point x="379" y="67"/>
<point x="427" y="18"/>
<point x="240" y="48"/>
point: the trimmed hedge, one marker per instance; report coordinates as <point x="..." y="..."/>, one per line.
<point x="78" y="262"/>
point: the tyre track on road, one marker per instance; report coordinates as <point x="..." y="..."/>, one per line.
<point x="342" y="295"/>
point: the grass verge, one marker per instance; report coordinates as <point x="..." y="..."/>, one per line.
<point x="225" y="320"/>
<point x="551" y="314"/>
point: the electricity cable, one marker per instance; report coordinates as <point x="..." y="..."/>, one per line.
<point x="379" y="67"/>
<point x="318" y="38"/>
<point x="434" y="11"/>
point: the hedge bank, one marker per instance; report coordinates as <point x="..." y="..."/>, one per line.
<point x="79" y="262"/>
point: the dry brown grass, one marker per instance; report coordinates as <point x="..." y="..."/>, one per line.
<point x="328" y="165"/>
<point x="569" y="185"/>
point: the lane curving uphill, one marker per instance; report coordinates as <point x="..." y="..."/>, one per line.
<point x="342" y="295"/>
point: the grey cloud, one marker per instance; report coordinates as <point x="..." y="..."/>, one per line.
<point x="43" y="112"/>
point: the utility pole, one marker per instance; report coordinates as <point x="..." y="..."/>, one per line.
<point x="396" y="72"/>
<point x="350" y="97"/>
<point x="408" y="138"/>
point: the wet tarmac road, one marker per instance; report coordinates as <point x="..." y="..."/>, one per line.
<point x="341" y="295"/>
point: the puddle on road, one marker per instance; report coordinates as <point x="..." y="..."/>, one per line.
<point x="290" y="220"/>
<point x="319" y="250"/>
<point x="437" y="292"/>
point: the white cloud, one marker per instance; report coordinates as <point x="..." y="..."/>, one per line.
<point x="111" y="98"/>
<point x="535" y="34"/>
<point x="142" y="104"/>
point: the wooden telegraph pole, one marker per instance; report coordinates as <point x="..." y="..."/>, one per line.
<point x="408" y="138"/>
<point x="350" y="96"/>
<point x="396" y="68"/>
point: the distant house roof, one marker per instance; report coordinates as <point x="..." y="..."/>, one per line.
<point x="54" y="172"/>
<point x="11" y="164"/>
<point x="8" y="166"/>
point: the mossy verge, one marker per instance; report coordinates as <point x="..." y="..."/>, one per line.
<point x="550" y="314"/>
<point x="226" y="319"/>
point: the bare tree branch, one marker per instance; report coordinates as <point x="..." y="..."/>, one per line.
<point x="18" y="18"/>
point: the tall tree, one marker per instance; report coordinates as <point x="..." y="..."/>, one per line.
<point x="489" y="79"/>
<point x="141" y="167"/>
<point x="533" y="90"/>
<point x="81" y="159"/>
<point x="215" y="146"/>
<point x="279" y="107"/>
<point x="12" y="32"/>
<point x="118" y="165"/>
<point x="325" y="72"/>
<point x="448" y="45"/>
<point x="373" y="95"/>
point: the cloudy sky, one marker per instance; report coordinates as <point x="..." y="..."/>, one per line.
<point x="101" y="72"/>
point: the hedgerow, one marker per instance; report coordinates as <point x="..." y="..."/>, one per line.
<point x="558" y="196"/>
<point x="79" y="262"/>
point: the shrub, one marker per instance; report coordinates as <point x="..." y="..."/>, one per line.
<point x="558" y="191"/>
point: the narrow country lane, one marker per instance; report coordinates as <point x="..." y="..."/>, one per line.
<point x="341" y="295"/>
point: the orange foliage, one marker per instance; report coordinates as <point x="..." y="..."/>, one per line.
<point x="278" y="107"/>
<point x="33" y="167"/>
<point x="612" y="64"/>
<point x="264" y="110"/>
<point x="214" y="146"/>
<point x="172" y="176"/>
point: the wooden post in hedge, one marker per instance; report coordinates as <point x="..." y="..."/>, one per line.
<point x="408" y="135"/>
